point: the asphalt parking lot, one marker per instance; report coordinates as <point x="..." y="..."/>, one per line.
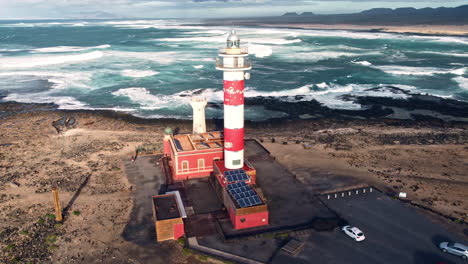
<point x="395" y="233"/>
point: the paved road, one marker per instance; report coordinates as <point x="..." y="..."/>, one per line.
<point x="395" y="233"/>
<point x="147" y="180"/>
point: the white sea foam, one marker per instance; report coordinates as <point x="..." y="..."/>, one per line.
<point x="446" y="53"/>
<point x="63" y="102"/>
<point x="260" y="51"/>
<point x="69" y="48"/>
<point x="322" y="85"/>
<point x="424" y="71"/>
<point x="198" y="66"/>
<point x="363" y="63"/>
<point x="138" y="73"/>
<point x="160" y="57"/>
<point x="148" y="101"/>
<point x="60" y="80"/>
<point x="35" y="61"/>
<point x="462" y="82"/>
<point x="322" y="55"/>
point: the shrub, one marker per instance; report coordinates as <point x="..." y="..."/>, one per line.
<point x="187" y="251"/>
<point x="10" y="247"/>
<point x="24" y="232"/>
<point x="50" y="216"/>
<point x="76" y="212"/>
<point x="51" y="239"/>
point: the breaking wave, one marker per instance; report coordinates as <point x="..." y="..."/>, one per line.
<point x="138" y="73"/>
<point x="69" y="48"/>
<point x="35" y="61"/>
<point x="427" y="71"/>
<point x="462" y="82"/>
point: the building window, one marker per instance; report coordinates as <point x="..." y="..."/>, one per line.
<point x="242" y="220"/>
<point x="216" y="159"/>
<point x="236" y="162"/>
<point x="201" y="164"/>
<point x="185" y="165"/>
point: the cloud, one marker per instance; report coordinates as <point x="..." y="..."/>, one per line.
<point x="198" y="8"/>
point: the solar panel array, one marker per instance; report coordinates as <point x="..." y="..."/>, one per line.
<point x="236" y="175"/>
<point x="243" y="194"/>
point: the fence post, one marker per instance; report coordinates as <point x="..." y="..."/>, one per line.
<point x="58" y="211"/>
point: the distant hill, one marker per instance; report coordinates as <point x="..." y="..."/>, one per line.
<point x="290" y="14"/>
<point x="376" y="16"/>
<point x="95" y="15"/>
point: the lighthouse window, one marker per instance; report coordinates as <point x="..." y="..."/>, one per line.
<point x="236" y="162"/>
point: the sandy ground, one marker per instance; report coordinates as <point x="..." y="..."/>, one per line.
<point x="430" y="164"/>
<point x="418" y="29"/>
<point x="36" y="157"/>
<point x="434" y="174"/>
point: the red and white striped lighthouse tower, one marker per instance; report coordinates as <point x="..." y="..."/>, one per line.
<point x="233" y="62"/>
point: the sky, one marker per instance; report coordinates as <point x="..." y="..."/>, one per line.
<point x="44" y="9"/>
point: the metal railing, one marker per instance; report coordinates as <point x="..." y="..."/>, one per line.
<point x="236" y="63"/>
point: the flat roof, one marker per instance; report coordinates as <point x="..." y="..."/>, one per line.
<point x="191" y="142"/>
<point x="166" y="206"/>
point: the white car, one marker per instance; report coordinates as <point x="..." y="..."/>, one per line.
<point x="455" y="248"/>
<point x="354" y="232"/>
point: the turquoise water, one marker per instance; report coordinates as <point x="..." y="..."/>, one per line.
<point x="149" y="68"/>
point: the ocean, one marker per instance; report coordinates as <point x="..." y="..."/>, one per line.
<point x="151" y="68"/>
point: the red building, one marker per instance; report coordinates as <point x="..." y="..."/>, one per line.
<point x="168" y="213"/>
<point x="245" y="206"/>
<point x="192" y="155"/>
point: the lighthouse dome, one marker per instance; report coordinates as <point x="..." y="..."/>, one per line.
<point x="233" y="36"/>
<point x="233" y="40"/>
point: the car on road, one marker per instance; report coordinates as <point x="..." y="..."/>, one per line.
<point x="455" y="249"/>
<point x="354" y="232"/>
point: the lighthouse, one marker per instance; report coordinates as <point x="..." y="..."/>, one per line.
<point x="233" y="61"/>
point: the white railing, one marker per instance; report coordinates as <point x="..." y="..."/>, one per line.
<point x="243" y="50"/>
<point x="234" y="63"/>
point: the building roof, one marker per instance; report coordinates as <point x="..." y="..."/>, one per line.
<point x="166" y="207"/>
<point x="193" y="142"/>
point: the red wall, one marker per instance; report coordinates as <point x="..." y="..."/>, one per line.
<point x="178" y="231"/>
<point x="251" y="220"/>
<point x="192" y="159"/>
<point x="167" y="147"/>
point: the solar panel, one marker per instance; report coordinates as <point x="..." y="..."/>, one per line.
<point x="178" y="145"/>
<point x="243" y="194"/>
<point x="242" y="203"/>
<point x="257" y="199"/>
